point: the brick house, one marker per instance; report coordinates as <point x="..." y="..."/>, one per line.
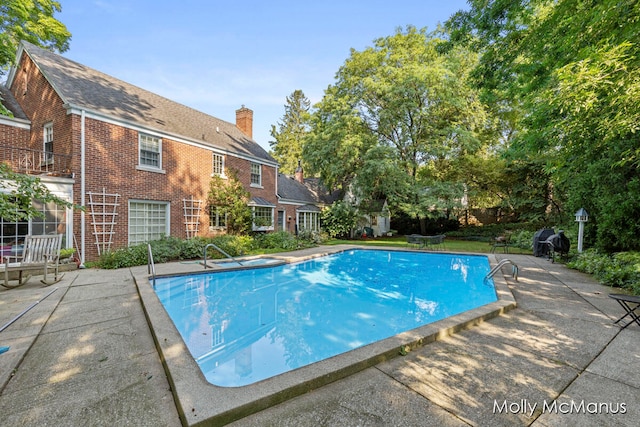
<point x="304" y="198"/>
<point x="141" y="164"/>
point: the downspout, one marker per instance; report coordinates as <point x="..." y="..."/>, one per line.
<point x="82" y="190"/>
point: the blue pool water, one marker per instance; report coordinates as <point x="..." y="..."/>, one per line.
<point x="243" y="326"/>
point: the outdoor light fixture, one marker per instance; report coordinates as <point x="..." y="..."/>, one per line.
<point x="581" y="217"/>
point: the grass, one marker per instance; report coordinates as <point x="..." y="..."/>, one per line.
<point x="453" y="245"/>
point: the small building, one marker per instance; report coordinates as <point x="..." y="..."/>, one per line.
<point x="377" y="217"/>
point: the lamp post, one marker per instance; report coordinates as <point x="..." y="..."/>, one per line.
<point x="581" y="217"/>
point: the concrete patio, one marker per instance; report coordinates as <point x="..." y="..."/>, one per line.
<point x="85" y="355"/>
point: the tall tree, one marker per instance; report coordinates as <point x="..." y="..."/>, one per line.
<point x="572" y="68"/>
<point x="289" y="136"/>
<point x="33" y="21"/>
<point x="396" y="108"/>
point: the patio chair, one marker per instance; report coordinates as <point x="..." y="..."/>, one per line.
<point x="40" y="254"/>
<point x="415" y="239"/>
<point x="631" y="306"/>
<point x="435" y="242"/>
<point x="503" y="242"/>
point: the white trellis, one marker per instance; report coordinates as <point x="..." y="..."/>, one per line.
<point x="103" y="218"/>
<point x="192" y="208"/>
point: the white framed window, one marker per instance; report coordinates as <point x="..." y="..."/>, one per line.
<point x="53" y="221"/>
<point x="217" y="219"/>
<point x="262" y="218"/>
<point x="309" y="221"/>
<point x="149" y="152"/>
<point x="218" y="165"/>
<point x="148" y="220"/>
<point x="256" y="175"/>
<point x="48" y="142"/>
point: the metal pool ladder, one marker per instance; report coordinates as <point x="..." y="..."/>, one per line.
<point x="151" y="267"/>
<point x="494" y="270"/>
<point x="219" y="250"/>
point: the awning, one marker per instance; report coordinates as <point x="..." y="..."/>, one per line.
<point x="259" y="201"/>
<point x="309" y="208"/>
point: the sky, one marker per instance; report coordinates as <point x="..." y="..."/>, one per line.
<point x="216" y="56"/>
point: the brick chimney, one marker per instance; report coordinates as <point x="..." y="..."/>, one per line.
<point x="299" y="174"/>
<point x="244" y="121"/>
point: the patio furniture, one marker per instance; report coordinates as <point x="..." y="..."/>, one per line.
<point x="415" y="240"/>
<point x="40" y="253"/>
<point x="426" y="242"/>
<point x="435" y="242"/>
<point x="631" y="305"/>
<point x="501" y="242"/>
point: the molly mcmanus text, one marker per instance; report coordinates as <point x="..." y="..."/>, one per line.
<point x="525" y="407"/>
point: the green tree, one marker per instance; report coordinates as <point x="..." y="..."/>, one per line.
<point x="335" y="147"/>
<point x="571" y="68"/>
<point x="290" y="134"/>
<point x="395" y="108"/>
<point x="17" y="193"/>
<point x="339" y="219"/>
<point x="33" y="21"/>
<point x="230" y="199"/>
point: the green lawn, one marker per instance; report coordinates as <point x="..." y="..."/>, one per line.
<point x="453" y="245"/>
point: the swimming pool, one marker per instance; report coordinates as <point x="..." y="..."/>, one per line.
<point x="244" y="326"/>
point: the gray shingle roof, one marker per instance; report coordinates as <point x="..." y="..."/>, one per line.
<point x="320" y="192"/>
<point x="259" y="201"/>
<point x="86" y="88"/>
<point x="308" y="208"/>
<point x="8" y="100"/>
<point x="311" y="192"/>
<point x="290" y="189"/>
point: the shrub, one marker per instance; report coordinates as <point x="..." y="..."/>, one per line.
<point x="620" y="269"/>
<point x="233" y="245"/>
<point x="174" y="249"/>
<point x="280" y="239"/>
<point x="125" y="257"/>
<point x="339" y="219"/>
<point x="523" y="239"/>
<point x="193" y="248"/>
<point x="309" y="238"/>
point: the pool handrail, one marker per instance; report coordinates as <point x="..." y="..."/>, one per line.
<point x="151" y="267"/>
<point x="502" y="263"/>
<point x="219" y="250"/>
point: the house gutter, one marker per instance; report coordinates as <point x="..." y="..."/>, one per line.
<point x="82" y="189"/>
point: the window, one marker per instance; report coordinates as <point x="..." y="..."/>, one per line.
<point x="309" y="221"/>
<point x="48" y="142"/>
<point x="150" y="151"/>
<point x="217" y="219"/>
<point x="256" y="174"/>
<point x="53" y="221"/>
<point x="147" y="221"/>
<point x="12" y="233"/>
<point x="218" y="164"/>
<point x="262" y="218"/>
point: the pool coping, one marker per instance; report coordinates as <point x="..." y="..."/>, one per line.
<point x="200" y="402"/>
